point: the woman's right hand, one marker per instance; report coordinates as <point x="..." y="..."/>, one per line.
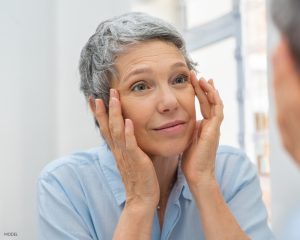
<point x="136" y="168"/>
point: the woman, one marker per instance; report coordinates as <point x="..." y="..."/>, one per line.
<point x="162" y="175"/>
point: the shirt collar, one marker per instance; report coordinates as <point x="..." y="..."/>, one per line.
<point x="111" y="173"/>
<point x="114" y="179"/>
<point x="182" y="182"/>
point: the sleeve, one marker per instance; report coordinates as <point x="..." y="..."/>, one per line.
<point x="242" y="192"/>
<point x="58" y="218"/>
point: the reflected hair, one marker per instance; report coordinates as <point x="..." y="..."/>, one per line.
<point x="112" y="38"/>
<point x="286" y="16"/>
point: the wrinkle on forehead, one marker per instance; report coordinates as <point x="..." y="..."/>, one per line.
<point x="144" y="54"/>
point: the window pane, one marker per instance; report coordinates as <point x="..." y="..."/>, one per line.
<point x="202" y="11"/>
<point x="217" y="62"/>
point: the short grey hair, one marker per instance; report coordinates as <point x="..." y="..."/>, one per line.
<point x="286" y="15"/>
<point x="113" y="37"/>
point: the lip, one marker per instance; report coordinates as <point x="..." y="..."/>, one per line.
<point x="170" y="125"/>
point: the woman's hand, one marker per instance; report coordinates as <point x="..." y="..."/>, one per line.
<point x="198" y="163"/>
<point x="198" y="166"/>
<point x="136" y="168"/>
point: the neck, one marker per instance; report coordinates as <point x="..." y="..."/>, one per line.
<point x="166" y="171"/>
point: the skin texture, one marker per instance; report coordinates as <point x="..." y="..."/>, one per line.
<point x="154" y="87"/>
<point x="163" y="100"/>
<point x="286" y="84"/>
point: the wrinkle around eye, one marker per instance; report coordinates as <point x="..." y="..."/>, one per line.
<point x="139" y="86"/>
<point x="185" y="79"/>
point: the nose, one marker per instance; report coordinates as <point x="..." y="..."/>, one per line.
<point x="167" y="100"/>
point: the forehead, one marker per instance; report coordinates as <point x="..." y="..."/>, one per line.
<point x="148" y="53"/>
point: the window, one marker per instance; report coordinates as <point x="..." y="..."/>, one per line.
<point x="200" y="11"/>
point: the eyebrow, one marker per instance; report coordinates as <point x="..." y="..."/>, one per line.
<point x="148" y="70"/>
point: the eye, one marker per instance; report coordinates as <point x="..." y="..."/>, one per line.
<point x="139" y="87"/>
<point x="181" y="79"/>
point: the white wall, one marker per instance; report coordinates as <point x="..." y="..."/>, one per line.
<point x="285" y="175"/>
<point x="168" y="10"/>
<point x="43" y="115"/>
<point x="27" y="108"/>
<point x="75" y="23"/>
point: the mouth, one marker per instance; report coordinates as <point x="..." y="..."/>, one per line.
<point x="170" y="125"/>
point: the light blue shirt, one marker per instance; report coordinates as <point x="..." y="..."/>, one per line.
<point x="82" y="196"/>
<point x="291" y="226"/>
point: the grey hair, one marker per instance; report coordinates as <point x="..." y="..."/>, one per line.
<point x="286" y="16"/>
<point x="113" y="37"/>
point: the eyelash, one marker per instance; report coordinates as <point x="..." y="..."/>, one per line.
<point x="133" y="88"/>
<point x="144" y="84"/>
<point x="180" y="76"/>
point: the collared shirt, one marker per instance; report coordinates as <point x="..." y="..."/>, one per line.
<point x="82" y="196"/>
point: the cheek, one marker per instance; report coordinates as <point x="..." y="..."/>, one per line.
<point x="188" y="100"/>
<point x="137" y="111"/>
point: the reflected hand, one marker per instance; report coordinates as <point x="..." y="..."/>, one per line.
<point x="199" y="159"/>
<point x="136" y="168"/>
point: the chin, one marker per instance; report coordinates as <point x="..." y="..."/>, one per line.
<point x="169" y="149"/>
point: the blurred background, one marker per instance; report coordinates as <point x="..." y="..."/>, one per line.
<point x="44" y="116"/>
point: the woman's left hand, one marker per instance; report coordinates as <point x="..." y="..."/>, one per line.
<point x="198" y="163"/>
<point x="198" y="166"/>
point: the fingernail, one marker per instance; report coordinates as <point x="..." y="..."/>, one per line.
<point x="96" y="103"/>
<point x="126" y="123"/>
<point x="112" y="92"/>
<point x="113" y="101"/>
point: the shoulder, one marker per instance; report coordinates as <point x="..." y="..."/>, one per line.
<point x="229" y="151"/>
<point x="232" y="158"/>
<point x="71" y="163"/>
<point x="76" y="176"/>
<point x="234" y="170"/>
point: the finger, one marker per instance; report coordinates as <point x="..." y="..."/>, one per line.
<point x="218" y="99"/>
<point x="215" y="100"/>
<point x="102" y="119"/>
<point x="211" y="82"/>
<point x="116" y="121"/>
<point x="206" y="86"/>
<point x="218" y="109"/>
<point x="201" y="96"/>
<point x="132" y="148"/>
<point x="130" y="139"/>
<point x="218" y="106"/>
<point x="216" y="95"/>
<point x="197" y="132"/>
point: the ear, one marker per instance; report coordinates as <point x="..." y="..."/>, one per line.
<point x="92" y="105"/>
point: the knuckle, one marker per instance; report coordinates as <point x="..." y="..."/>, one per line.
<point x="102" y="130"/>
<point x="129" y="145"/>
<point x="116" y="132"/>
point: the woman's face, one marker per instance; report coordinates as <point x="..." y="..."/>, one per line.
<point x="156" y="94"/>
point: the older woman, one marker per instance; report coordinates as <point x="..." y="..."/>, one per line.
<point x="160" y="174"/>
